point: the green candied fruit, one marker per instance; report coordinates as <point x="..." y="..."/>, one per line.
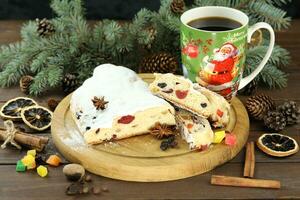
<point x="20" y="166"/>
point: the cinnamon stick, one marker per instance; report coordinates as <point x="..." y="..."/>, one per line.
<point x="244" y="182"/>
<point x="249" y="160"/>
<point x="252" y="159"/>
<point x="29" y="140"/>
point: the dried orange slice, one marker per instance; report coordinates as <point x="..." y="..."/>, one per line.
<point x="278" y="145"/>
<point x="37" y="117"/>
<point x="12" y="108"/>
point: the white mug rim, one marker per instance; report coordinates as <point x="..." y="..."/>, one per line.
<point x="243" y="19"/>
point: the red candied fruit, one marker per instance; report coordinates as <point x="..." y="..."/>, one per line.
<point x="126" y="119"/>
<point x="189" y="126"/>
<point x="181" y="94"/>
<point x="219" y="113"/>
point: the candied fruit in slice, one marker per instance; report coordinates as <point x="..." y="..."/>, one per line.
<point x="126" y="119"/>
<point x="220" y="113"/>
<point x="181" y="94"/>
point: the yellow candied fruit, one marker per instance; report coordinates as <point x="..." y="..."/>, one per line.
<point x="42" y="171"/>
<point x="219" y="136"/>
<point x="31" y="152"/>
<point x="29" y="161"/>
<point x="155" y="90"/>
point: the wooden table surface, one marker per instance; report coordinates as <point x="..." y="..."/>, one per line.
<point x="29" y="185"/>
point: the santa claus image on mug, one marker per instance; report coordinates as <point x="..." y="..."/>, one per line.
<point x="213" y="42"/>
<point x="220" y="69"/>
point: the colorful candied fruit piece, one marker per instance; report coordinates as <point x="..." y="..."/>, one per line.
<point x="219" y="136"/>
<point x="20" y="167"/>
<point x="181" y="94"/>
<point x="220" y="113"/>
<point x="42" y="171"/>
<point x="53" y="160"/>
<point x="29" y="161"/>
<point x="31" y="152"/>
<point x="230" y="139"/>
<point x="126" y="119"/>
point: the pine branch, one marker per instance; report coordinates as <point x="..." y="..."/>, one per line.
<point x="29" y="32"/>
<point x="279" y="57"/>
<point x="67" y="8"/>
<point x="8" y="52"/>
<point x="270" y="75"/>
<point x="260" y="11"/>
<point x="40" y="83"/>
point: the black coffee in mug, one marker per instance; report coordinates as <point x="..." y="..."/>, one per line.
<point x="214" y="24"/>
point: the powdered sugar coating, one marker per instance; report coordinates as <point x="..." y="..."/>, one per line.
<point x="121" y="87"/>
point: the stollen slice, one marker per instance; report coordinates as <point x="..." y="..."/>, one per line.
<point x="195" y="130"/>
<point x="181" y="93"/>
<point x="219" y="106"/>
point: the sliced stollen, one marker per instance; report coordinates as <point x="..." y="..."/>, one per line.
<point x="181" y="93"/>
<point x="115" y="104"/>
<point x="219" y="106"/>
<point x="195" y="130"/>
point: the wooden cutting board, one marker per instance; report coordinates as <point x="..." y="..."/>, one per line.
<point x="140" y="158"/>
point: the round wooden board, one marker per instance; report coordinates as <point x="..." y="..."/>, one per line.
<point x="140" y="158"/>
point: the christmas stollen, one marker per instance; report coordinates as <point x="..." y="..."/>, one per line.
<point x="192" y="97"/>
<point x="115" y="104"/>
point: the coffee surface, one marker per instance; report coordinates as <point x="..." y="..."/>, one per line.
<point x="214" y="24"/>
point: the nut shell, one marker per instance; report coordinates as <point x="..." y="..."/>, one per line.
<point x="74" y="172"/>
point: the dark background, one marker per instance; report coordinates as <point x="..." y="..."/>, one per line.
<point x="96" y="9"/>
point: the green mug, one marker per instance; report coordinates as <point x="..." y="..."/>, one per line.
<point x="215" y="59"/>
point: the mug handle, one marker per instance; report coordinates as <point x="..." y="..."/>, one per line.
<point x="244" y="81"/>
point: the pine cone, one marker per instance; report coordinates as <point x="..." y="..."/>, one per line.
<point x="152" y="34"/>
<point x="249" y="89"/>
<point x="159" y="62"/>
<point x="258" y="106"/>
<point x="70" y="83"/>
<point x="275" y="120"/>
<point x="44" y="27"/>
<point x="25" y="83"/>
<point x="177" y="6"/>
<point x="291" y="111"/>
<point x="52" y="103"/>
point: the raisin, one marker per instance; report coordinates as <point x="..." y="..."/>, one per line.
<point x="168" y="91"/>
<point x="173" y="144"/>
<point x="97" y="131"/>
<point x="164" y="145"/>
<point x="161" y="85"/>
<point x="203" y="105"/>
<point x="177" y="83"/>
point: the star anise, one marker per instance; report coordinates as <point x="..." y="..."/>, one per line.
<point x="99" y="103"/>
<point x="162" y="130"/>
